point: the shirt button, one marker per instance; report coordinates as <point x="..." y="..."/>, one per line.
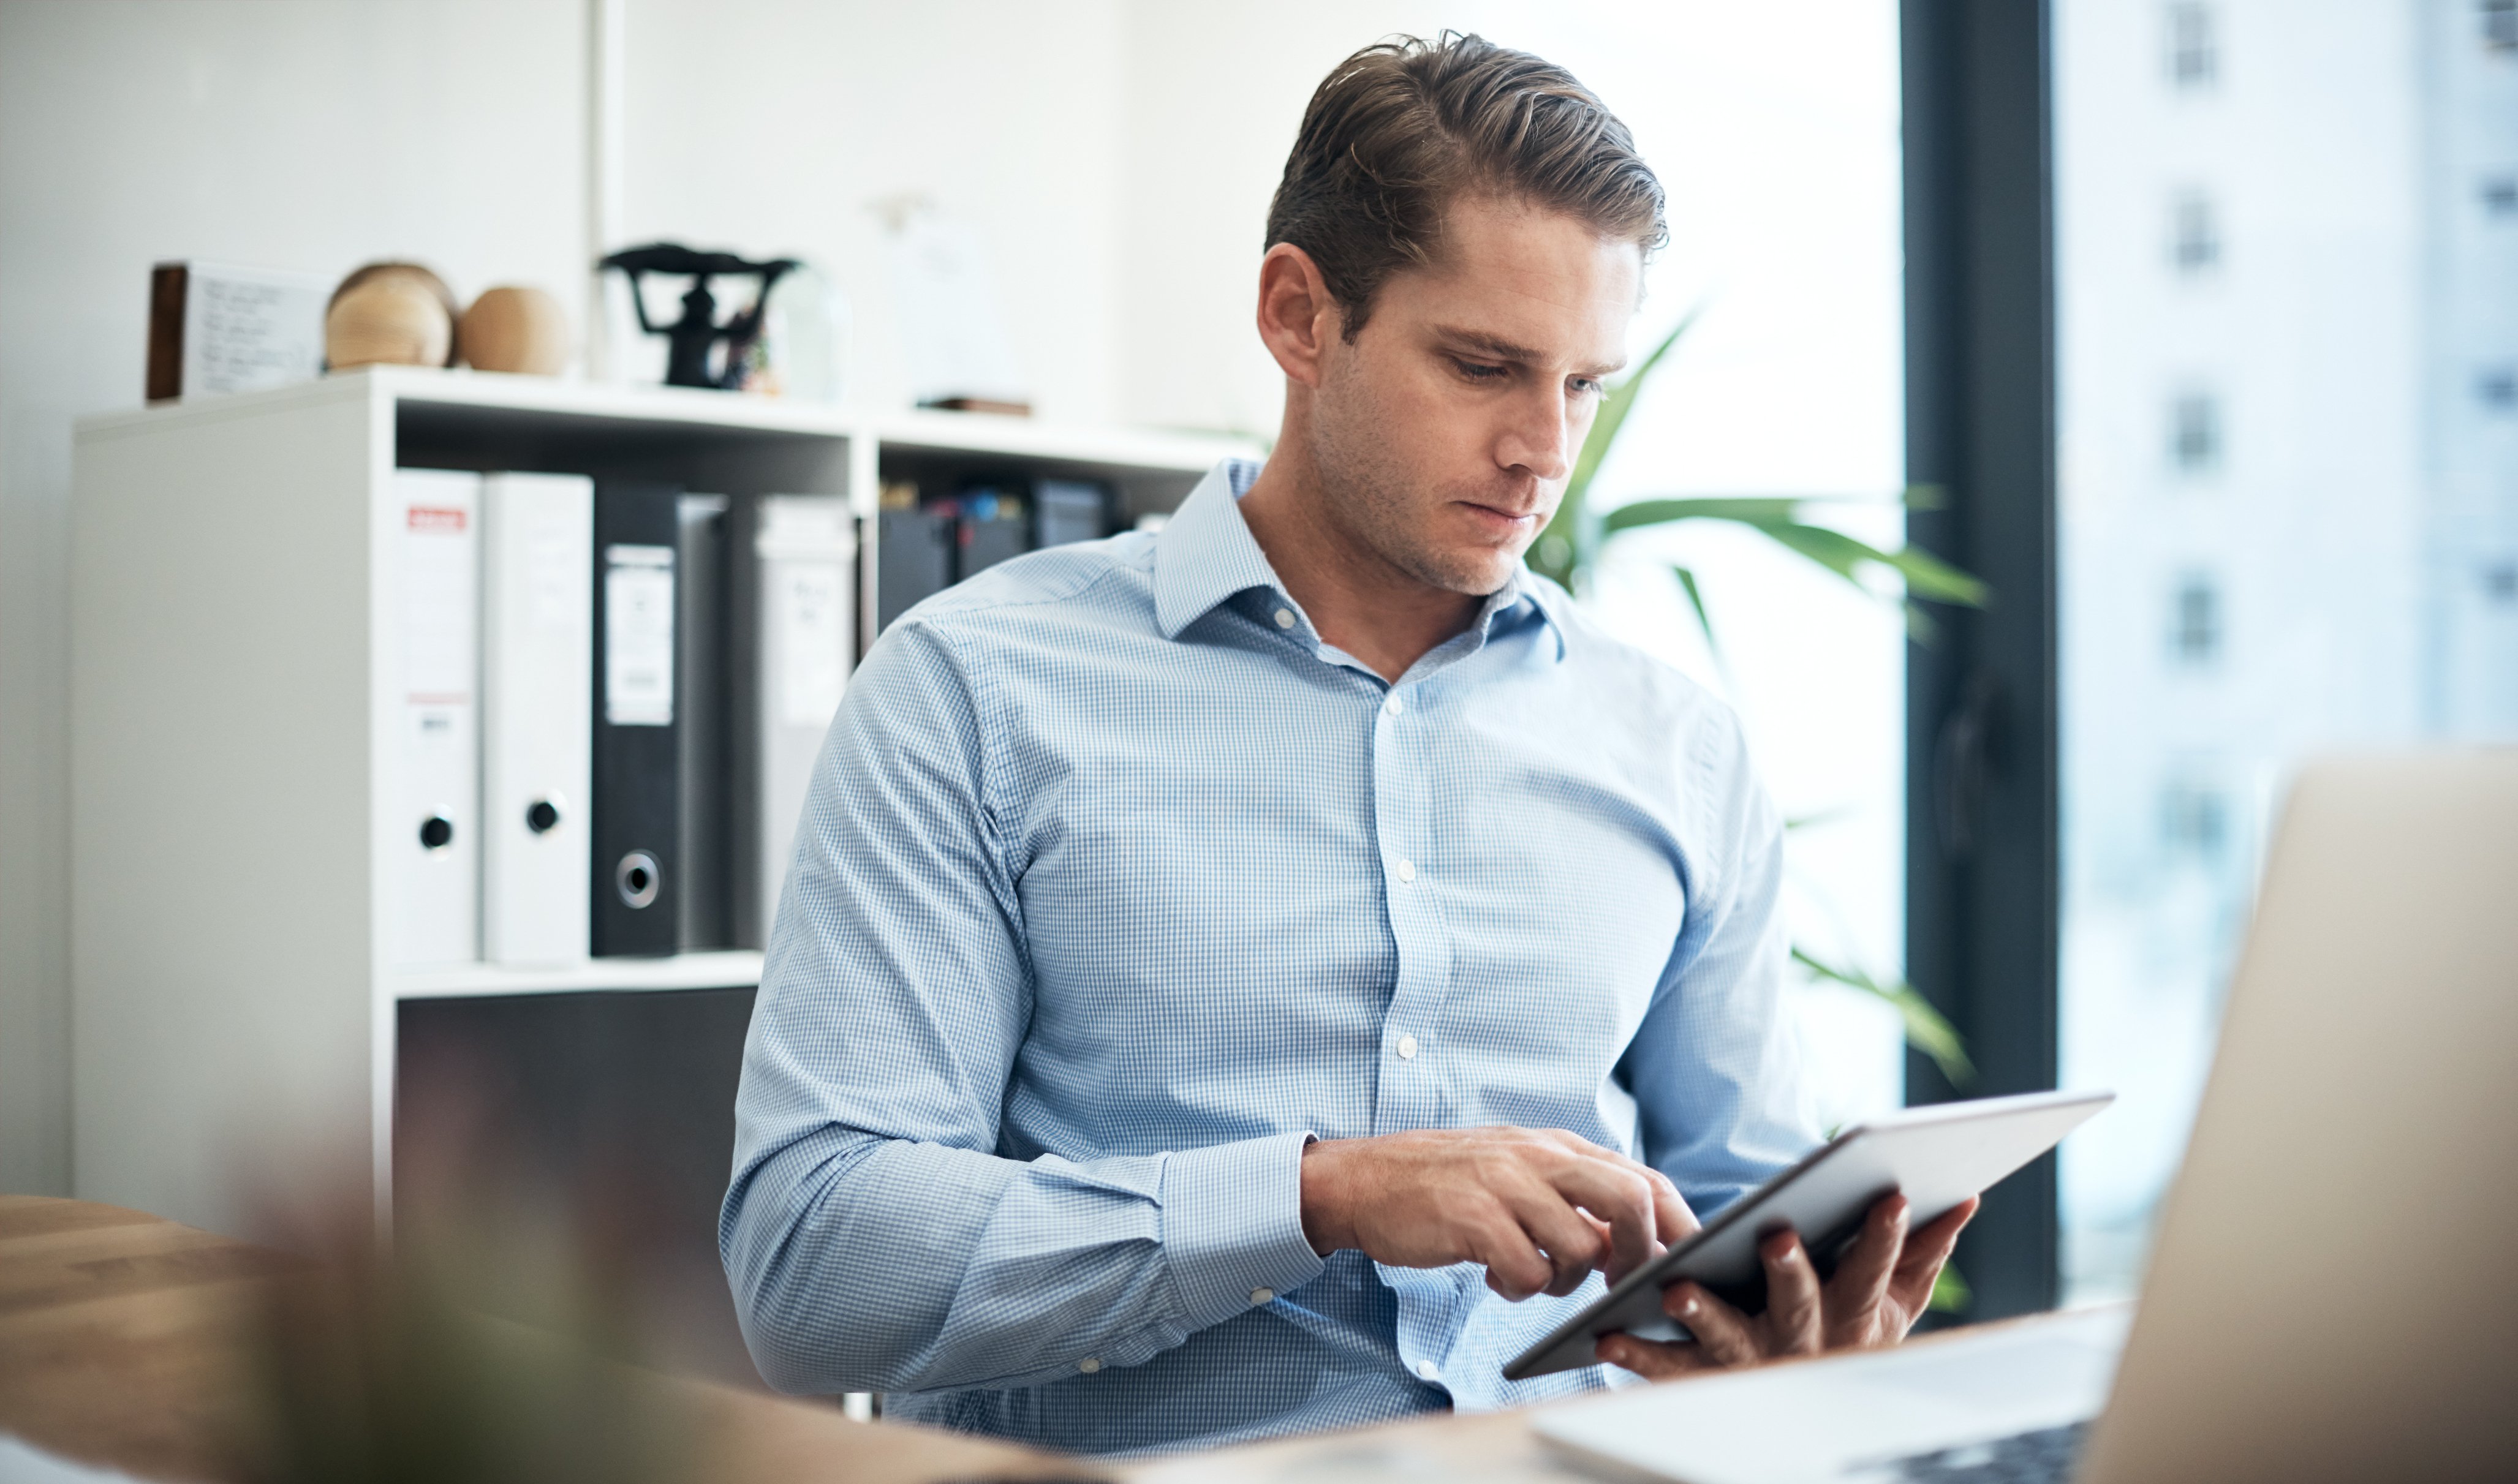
<point x="1088" y="1364"/>
<point x="1263" y="1295"/>
<point x="1407" y="870"/>
<point x="1429" y="1371"/>
<point x="1392" y="706"/>
<point x="1285" y="618"/>
<point x="1407" y="1048"/>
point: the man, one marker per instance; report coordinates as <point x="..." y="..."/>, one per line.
<point x="1256" y="977"/>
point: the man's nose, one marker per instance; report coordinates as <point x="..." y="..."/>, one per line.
<point x="1539" y="438"/>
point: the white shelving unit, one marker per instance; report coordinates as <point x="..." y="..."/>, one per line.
<point x="235" y="1025"/>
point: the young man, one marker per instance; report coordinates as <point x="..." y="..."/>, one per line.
<point x="1255" y="977"/>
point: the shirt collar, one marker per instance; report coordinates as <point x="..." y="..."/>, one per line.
<point x="1206" y="556"/>
<point x="1207" y="553"/>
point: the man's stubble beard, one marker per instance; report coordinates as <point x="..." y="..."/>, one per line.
<point x="1371" y="495"/>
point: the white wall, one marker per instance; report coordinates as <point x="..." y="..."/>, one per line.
<point x="298" y="134"/>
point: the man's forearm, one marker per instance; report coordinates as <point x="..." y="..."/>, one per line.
<point x="867" y="1264"/>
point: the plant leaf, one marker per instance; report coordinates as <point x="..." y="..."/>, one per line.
<point x="1927" y="1030"/>
<point x="1778" y="517"/>
<point x="1740" y="508"/>
<point x="1696" y="601"/>
<point x="1926" y="575"/>
<point x="1950" y="1293"/>
<point x="1566" y="546"/>
<point x="1614" y="408"/>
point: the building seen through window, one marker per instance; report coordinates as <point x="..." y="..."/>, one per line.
<point x="2499" y="23"/>
<point x="2194" y="819"/>
<point x="2193" y="55"/>
<point x="2194" y="432"/>
<point x="2349" y="388"/>
<point x="2194" y="236"/>
<point x="2194" y="632"/>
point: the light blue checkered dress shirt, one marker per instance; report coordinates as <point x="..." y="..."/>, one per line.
<point x="1116" y="884"/>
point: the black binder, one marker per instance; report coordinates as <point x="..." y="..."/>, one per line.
<point x="1070" y="510"/>
<point x="637" y="828"/>
<point x="914" y="552"/>
<point x="990" y="527"/>
<point x="701" y="710"/>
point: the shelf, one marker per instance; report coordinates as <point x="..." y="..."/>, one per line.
<point x="732" y="969"/>
<point x="1028" y="438"/>
<point x="443" y="397"/>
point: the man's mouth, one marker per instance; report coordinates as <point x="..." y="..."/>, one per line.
<point x="1501" y="518"/>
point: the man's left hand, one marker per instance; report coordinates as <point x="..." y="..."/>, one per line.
<point x="1878" y="1292"/>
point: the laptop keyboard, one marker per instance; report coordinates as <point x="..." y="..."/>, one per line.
<point x="2043" y="1457"/>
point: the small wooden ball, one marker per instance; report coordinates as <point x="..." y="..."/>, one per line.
<point x="391" y="319"/>
<point x="509" y="328"/>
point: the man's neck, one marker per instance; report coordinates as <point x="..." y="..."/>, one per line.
<point x="1357" y="599"/>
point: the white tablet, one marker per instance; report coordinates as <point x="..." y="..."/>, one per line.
<point x="1939" y="1155"/>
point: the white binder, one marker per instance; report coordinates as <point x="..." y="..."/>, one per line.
<point x="537" y="687"/>
<point x="433" y="909"/>
<point x="793" y="607"/>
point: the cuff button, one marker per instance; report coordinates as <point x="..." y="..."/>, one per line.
<point x="1088" y="1364"/>
<point x="1263" y="1295"/>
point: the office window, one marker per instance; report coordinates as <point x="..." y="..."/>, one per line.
<point x="2351" y="583"/>
<point x="2194" y="234"/>
<point x="2195" y="623"/>
<point x="2499" y="23"/>
<point x="2194" y="821"/>
<point x="2194" y="51"/>
<point x="2195" y="433"/>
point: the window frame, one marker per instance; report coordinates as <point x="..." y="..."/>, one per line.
<point x="1984" y="905"/>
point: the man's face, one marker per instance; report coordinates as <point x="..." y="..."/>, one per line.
<point x="1445" y="433"/>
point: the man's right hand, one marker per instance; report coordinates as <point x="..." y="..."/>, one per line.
<point x="1540" y="1209"/>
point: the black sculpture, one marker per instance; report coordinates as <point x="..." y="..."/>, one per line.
<point x="689" y="339"/>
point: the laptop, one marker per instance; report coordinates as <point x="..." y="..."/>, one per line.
<point x="2333" y="1294"/>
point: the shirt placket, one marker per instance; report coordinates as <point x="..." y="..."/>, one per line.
<point x="1409" y="1093"/>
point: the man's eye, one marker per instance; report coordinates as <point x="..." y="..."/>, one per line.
<point x="1586" y="386"/>
<point x="1479" y="371"/>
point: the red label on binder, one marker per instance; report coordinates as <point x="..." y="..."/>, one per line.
<point x="437" y="520"/>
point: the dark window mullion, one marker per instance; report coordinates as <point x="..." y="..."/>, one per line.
<point x="1982" y="916"/>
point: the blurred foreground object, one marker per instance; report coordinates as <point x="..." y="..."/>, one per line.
<point x="389" y="313"/>
<point x="514" y="330"/>
<point x="691" y="341"/>
<point x="214" y="329"/>
<point x="136" y="1343"/>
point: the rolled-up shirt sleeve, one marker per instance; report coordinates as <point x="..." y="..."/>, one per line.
<point x="874" y="1237"/>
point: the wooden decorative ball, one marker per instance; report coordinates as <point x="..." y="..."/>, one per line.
<point x="391" y="314"/>
<point x="514" y="330"/>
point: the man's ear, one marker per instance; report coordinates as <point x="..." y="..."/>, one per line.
<point x="1297" y="317"/>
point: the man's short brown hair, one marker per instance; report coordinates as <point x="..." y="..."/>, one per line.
<point x="1404" y="127"/>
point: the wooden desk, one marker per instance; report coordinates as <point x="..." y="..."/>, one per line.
<point x="126" y="1340"/>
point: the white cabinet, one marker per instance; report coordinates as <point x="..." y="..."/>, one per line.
<point x="230" y="760"/>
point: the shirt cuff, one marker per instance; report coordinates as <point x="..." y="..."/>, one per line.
<point x="1233" y="1225"/>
